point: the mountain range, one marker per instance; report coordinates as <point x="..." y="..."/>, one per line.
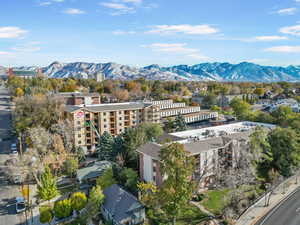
<point x="244" y="71"/>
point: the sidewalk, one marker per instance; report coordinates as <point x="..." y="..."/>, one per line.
<point x="258" y="210"/>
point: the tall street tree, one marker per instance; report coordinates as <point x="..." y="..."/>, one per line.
<point x="177" y="188"/>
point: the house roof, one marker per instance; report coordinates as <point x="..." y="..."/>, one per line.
<point x="168" y="138"/>
<point x="120" y="202"/>
<point x="71" y="108"/>
<point x="96" y="170"/>
<point x="197" y="146"/>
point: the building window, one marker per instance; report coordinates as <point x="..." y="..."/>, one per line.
<point x="104" y="120"/>
<point x="120" y="112"/>
<point x="79" y="135"/>
<point x="120" y="124"/>
<point x="78" y="122"/>
<point x="79" y="142"/>
<point x="104" y="114"/>
<point x="120" y="118"/>
<point x="105" y="126"/>
<point x="120" y="130"/>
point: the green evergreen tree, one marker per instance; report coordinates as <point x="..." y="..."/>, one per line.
<point x="180" y="124"/>
<point x="47" y="188"/>
<point x="105" y="149"/>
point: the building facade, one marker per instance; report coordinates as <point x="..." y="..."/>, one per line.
<point x="214" y="149"/>
<point x="92" y="121"/>
<point x="78" y="98"/>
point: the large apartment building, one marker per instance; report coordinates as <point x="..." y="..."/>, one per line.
<point x="191" y="114"/>
<point x="91" y="121"/>
<point x="212" y="148"/>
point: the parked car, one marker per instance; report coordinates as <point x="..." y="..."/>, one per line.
<point x="20" y="204"/>
<point x="13" y="147"/>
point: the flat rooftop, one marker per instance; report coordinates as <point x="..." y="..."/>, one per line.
<point x="222" y="130"/>
<point x="109" y="107"/>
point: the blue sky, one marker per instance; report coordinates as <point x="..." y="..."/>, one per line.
<point x="143" y="32"/>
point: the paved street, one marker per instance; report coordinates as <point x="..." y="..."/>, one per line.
<point x="286" y="214"/>
<point x="8" y="192"/>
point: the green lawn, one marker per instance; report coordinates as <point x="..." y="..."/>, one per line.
<point x="214" y="200"/>
<point x="190" y="215"/>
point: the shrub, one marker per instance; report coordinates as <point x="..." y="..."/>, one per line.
<point x="78" y="200"/>
<point x="63" y="208"/>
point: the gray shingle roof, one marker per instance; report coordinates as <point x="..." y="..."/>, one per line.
<point x="120" y="202"/>
<point x="93" y="171"/>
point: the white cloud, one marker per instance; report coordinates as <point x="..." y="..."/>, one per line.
<point x="122" y="32"/>
<point x="284" y="49"/>
<point x="27" y="47"/>
<point x="270" y="38"/>
<point x="184" y="28"/>
<point x="287" y="11"/>
<point x="73" y="11"/>
<point x="293" y="30"/>
<point x="133" y="1"/>
<point x="58" y="0"/>
<point x="176" y="48"/>
<point x="119" y="8"/>
<point x="11" y="32"/>
<point x="297" y="0"/>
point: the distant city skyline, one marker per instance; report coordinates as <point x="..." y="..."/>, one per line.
<point x="143" y="32"/>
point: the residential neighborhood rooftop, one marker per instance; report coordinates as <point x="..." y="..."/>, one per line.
<point x="120" y="202"/>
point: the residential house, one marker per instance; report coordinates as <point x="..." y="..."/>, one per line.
<point x="122" y="208"/>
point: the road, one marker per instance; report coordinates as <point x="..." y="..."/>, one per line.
<point x="286" y="214"/>
<point x="8" y="192"/>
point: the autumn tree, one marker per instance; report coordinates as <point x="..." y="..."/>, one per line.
<point x="46" y="215"/>
<point x="177" y="188"/>
<point x="95" y="200"/>
<point x="71" y="166"/>
<point x="241" y="108"/>
<point x="78" y="201"/>
<point x="62" y="208"/>
<point x="47" y="189"/>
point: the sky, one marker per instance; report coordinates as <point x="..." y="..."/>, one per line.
<point x="144" y="32"/>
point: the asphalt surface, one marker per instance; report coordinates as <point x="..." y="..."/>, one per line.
<point x="8" y="192"/>
<point x="288" y="213"/>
